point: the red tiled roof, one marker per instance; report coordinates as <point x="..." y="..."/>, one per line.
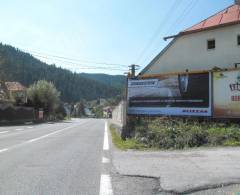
<point x="15" y="86"/>
<point x="230" y="15"/>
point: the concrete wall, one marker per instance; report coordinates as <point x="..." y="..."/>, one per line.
<point x="117" y="114"/>
<point x="190" y="52"/>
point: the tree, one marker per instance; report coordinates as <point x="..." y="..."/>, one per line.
<point x="43" y="94"/>
<point x="16" y="65"/>
<point x="79" y="110"/>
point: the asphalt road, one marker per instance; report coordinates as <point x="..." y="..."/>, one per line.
<point x="58" y="158"/>
<point x="77" y="157"/>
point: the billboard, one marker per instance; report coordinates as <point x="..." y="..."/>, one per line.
<point x="178" y="95"/>
<point x="226" y="94"/>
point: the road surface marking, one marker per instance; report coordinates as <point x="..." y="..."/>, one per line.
<point x="105" y="160"/>
<point x="28" y="123"/>
<point x="36" y="139"/>
<point x="29" y="127"/>
<point x="3" y="150"/>
<point x="19" y="129"/>
<point x="53" y="133"/>
<point x="3" y="132"/>
<point x="105" y="185"/>
<point x="105" y="143"/>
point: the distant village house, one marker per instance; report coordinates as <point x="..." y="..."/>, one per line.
<point x="17" y="92"/>
<point x="107" y="112"/>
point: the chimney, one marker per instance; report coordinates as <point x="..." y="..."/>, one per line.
<point x="237" y="2"/>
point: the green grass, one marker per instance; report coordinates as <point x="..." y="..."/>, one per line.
<point x="231" y="143"/>
<point x="125" y="145"/>
<point x="172" y="134"/>
<point x="169" y="133"/>
<point x="67" y="118"/>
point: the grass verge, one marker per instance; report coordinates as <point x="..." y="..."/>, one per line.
<point x="169" y="133"/>
<point x="125" y="144"/>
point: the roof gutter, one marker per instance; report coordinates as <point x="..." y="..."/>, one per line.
<point x="170" y="37"/>
<point x="158" y="56"/>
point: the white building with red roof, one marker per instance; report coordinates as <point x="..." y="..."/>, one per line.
<point x="17" y="92"/>
<point x="212" y="43"/>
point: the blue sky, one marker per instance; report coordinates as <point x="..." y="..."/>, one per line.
<point x="110" y="31"/>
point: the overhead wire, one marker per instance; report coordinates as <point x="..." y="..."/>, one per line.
<point x="80" y="65"/>
<point x="179" y="19"/>
<point x="185" y="12"/>
<point x="86" y="64"/>
<point x="174" y="6"/>
<point x="75" y="59"/>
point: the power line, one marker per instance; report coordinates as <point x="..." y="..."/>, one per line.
<point x="179" y="19"/>
<point x="174" y="6"/>
<point x="75" y="60"/>
<point x="82" y="66"/>
<point x="185" y="12"/>
<point x="78" y="62"/>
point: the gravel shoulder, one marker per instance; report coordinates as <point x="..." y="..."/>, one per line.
<point x="187" y="171"/>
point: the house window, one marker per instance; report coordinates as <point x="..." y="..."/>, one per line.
<point x="238" y="40"/>
<point x="211" y="44"/>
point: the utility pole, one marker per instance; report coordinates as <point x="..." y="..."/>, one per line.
<point x="132" y="69"/>
<point x="130" y="75"/>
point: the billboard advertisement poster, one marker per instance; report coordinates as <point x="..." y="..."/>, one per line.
<point x="226" y="94"/>
<point x="178" y="95"/>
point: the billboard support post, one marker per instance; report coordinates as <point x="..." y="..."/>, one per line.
<point x="126" y="131"/>
<point x="124" y="111"/>
<point x="124" y="127"/>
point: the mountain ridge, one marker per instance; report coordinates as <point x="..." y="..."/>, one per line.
<point x="20" y="66"/>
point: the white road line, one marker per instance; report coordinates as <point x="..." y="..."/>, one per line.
<point x="105" y="185"/>
<point x="3" y="150"/>
<point x="20" y="129"/>
<point x="36" y="139"/>
<point x="105" y="160"/>
<point x="105" y="143"/>
<point x="29" y="127"/>
<point x="1" y="132"/>
<point x="47" y="135"/>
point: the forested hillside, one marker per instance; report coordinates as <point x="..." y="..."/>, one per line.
<point x="116" y="81"/>
<point x="16" y="65"/>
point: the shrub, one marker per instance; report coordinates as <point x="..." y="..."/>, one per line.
<point x="169" y="133"/>
<point x="124" y="144"/>
<point x="43" y="94"/>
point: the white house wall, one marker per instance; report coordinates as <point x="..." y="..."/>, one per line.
<point x="190" y="52"/>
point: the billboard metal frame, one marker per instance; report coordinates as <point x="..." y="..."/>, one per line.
<point x="211" y="93"/>
<point x="155" y="111"/>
